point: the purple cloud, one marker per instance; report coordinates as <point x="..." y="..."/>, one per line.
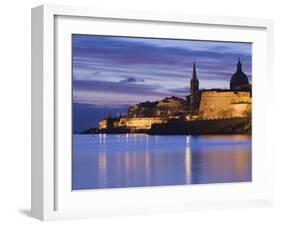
<point x="131" y="80"/>
<point x="103" y="66"/>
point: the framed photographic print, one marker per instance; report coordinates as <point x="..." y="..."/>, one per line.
<point x="137" y="112"/>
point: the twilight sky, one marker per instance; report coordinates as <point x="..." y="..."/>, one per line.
<point x="114" y="72"/>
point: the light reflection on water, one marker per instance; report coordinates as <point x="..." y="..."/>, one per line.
<point x="137" y="160"/>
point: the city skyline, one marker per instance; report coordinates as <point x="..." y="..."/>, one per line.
<point x="110" y="73"/>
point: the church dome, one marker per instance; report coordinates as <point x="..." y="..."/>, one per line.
<point x="239" y="78"/>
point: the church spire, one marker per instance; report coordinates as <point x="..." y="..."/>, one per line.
<point x="194" y="75"/>
<point x="194" y="90"/>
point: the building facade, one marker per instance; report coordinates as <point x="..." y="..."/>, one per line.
<point x="167" y="107"/>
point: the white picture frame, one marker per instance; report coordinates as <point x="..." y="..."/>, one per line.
<point x="51" y="197"/>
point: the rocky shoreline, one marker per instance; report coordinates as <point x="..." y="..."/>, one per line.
<point x="182" y="127"/>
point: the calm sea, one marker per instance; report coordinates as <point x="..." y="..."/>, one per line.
<point x="137" y="160"/>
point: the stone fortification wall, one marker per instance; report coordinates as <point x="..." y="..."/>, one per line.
<point x="139" y="123"/>
<point x="219" y="105"/>
<point x="132" y="123"/>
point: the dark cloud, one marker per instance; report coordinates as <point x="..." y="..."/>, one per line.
<point x="113" y="87"/>
<point x="131" y="80"/>
<point x="181" y="92"/>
